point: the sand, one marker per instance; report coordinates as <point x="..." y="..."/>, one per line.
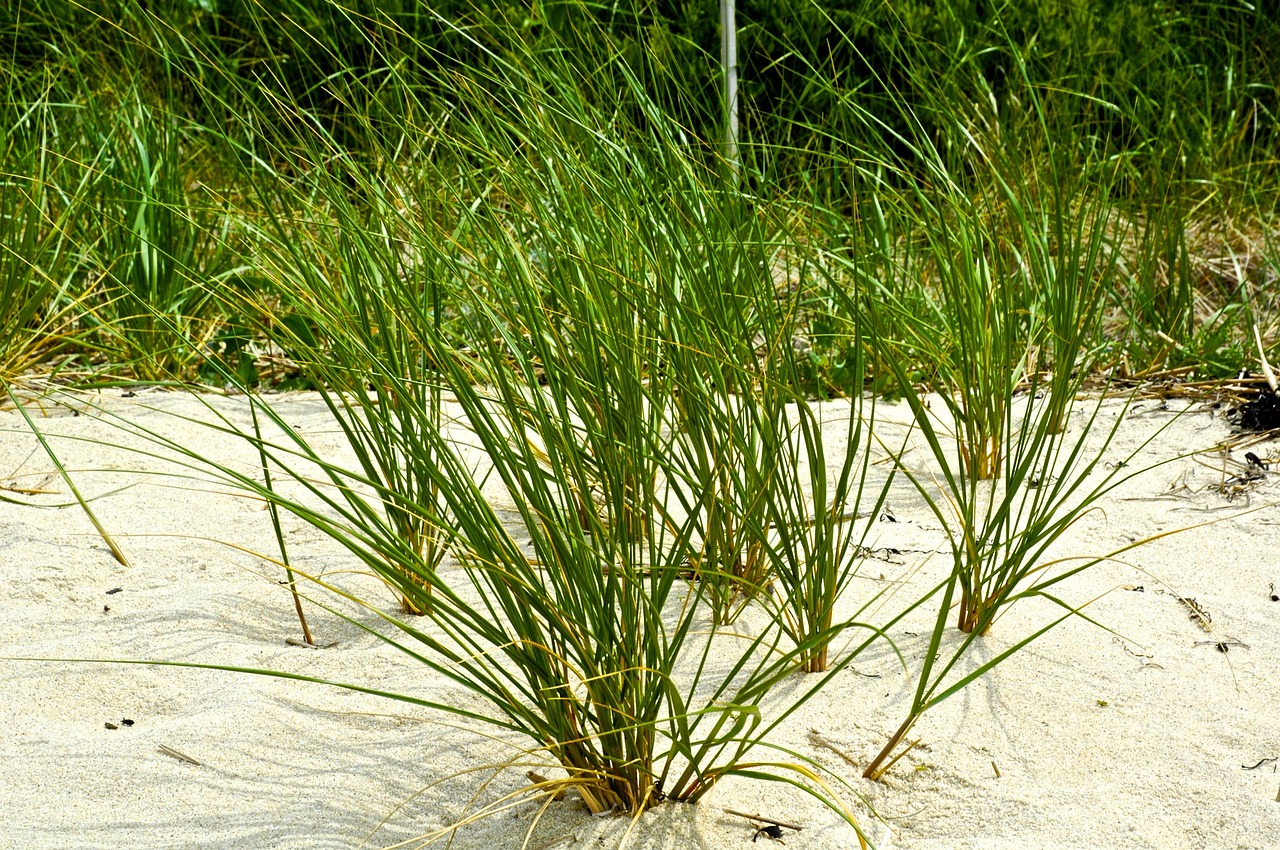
<point x="1130" y="734"/>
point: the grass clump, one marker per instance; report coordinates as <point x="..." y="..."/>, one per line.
<point x="565" y="475"/>
<point x="575" y="363"/>
<point x="1014" y="278"/>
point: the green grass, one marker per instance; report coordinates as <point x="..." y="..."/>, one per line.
<point x="156" y="239"/>
<point x="535" y="256"/>
<point x="169" y="119"/>
<point x="41" y="289"/>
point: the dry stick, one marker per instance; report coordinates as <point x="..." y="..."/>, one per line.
<point x="27" y="491"/>
<point x="305" y="645"/>
<point x="567" y="838"/>
<point x="172" y="753"/>
<point x="275" y="524"/>
<point x="763" y="819"/>
<point x="66" y="476"/>
<point x="817" y="740"/>
<point x="1262" y="358"/>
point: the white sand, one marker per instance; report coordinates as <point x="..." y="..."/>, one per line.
<point x="1099" y="742"/>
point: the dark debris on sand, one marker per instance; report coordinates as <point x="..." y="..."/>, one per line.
<point x="1260" y="414"/>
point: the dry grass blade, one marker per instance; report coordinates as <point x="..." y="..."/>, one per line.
<point x="1262" y="359"/>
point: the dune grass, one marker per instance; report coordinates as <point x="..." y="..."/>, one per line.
<point x="41" y="294"/>
<point x="607" y="398"/>
<point x="589" y="570"/>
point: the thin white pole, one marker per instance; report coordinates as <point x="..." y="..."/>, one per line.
<point x="729" y="64"/>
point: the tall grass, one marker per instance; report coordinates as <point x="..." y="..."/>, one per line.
<point x="160" y="241"/>
<point x="339" y="269"/>
<point x="1015" y="272"/>
<point x="183" y="95"/>
<point x="636" y="445"/>
<point x="40" y="291"/>
<point x="573" y="359"/>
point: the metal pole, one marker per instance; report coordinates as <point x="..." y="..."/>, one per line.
<point x="729" y="64"/>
